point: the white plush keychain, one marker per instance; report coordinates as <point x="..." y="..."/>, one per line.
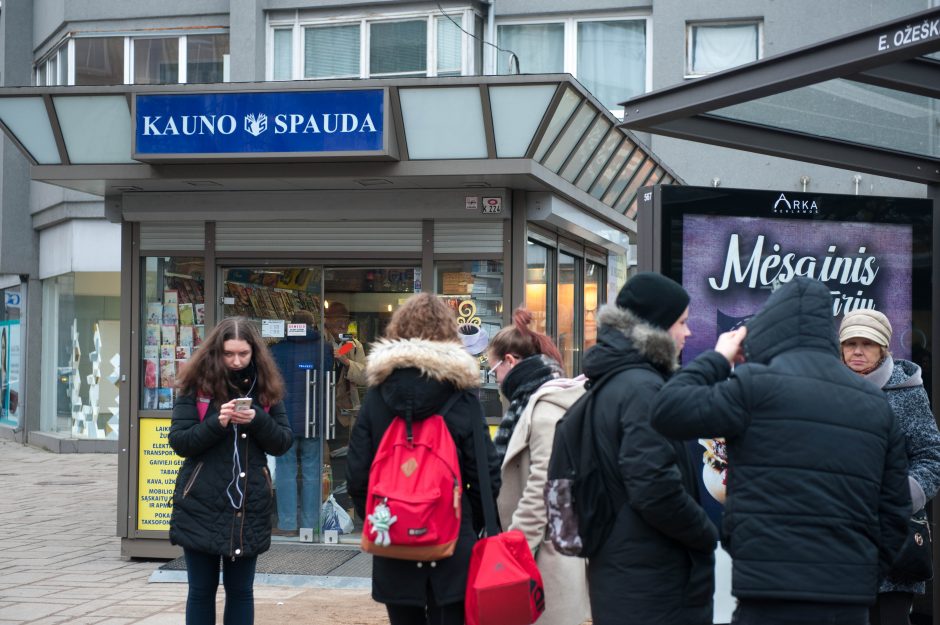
<point x="382" y="520"/>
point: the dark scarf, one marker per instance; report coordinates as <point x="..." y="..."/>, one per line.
<point x="518" y="385"/>
<point x="241" y="382"/>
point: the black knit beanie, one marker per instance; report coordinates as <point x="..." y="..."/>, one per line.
<point x="654" y="298"/>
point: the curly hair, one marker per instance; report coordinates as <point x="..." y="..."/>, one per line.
<point x="424" y="316"/>
<point x="205" y="372"/>
<point x="522" y="341"/>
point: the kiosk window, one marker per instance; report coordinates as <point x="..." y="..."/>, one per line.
<point x="173" y="316"/>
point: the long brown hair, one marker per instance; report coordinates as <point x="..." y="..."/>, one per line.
<point x="522" y="341"/>
<point x="205" y="372"/>
<point x="424" y="316"/>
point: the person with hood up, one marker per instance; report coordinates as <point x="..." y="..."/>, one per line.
<point x="865" y="335"/>
<point x="294" y="356"/>
<point x="413" y="372"/>
<point x="528" y="368"/>
<point x="817" y="494"/>
<point x="657" y="565"/>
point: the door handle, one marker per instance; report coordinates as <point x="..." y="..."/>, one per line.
<point x="331" y="405"/>
<point x="311" y="406"/>
<point x="307" y="403"/>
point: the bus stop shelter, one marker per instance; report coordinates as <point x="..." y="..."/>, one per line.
<point x="868" y="101"/>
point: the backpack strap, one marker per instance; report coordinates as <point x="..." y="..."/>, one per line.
<point x="590" y="440"/>
<point x="483" y="472"/>
<point x="443" y="411"/>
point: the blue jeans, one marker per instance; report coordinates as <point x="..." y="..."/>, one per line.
<point x="238" y="577"/>
<point x="285" y="478"/>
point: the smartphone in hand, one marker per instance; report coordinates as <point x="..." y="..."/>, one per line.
<point x="243" y="404"/>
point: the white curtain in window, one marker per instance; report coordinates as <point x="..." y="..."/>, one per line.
<point x="720" y="46"/>
<point x="282" y="54"/>
<point x="540" y="48"/>
<point x="448" y="47"/>
<point x="612" y="59"/>
<point x="398" y="48"/>
<point x="331" y="52"/>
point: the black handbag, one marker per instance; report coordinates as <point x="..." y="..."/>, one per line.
<point x="914" y="563"/>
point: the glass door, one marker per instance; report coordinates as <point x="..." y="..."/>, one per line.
<point x="358" y="303"/>
<point x="319" y="323"/>
<point x="287" y="305"/>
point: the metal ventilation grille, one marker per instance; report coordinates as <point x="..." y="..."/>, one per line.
<point x="468" y="237"/>
<point x="172" y="236"/>
<point x="299" y="236"/>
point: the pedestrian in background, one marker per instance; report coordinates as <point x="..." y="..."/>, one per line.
<point x="528" y="368"/>
<point x="223" y="499"/>
<point x="817" y="494"/>
<point x="657" y="565"/>
<point x="412" y="373"/>
<point x="865" y="336"/>
<point x="295" y="356"/>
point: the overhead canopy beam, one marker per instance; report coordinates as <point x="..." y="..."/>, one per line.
<point x="802" y="147"/>
<point x="917" y="76"/>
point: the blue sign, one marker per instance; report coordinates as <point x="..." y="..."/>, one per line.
<point x="308" y="122"/>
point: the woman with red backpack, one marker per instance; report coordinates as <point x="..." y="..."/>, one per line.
<point x="417" y="374"/>
<point x="223" y="499"/>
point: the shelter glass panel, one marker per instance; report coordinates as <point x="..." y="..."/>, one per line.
<point x="570" y="137"/>
<point x="849" y="111"/>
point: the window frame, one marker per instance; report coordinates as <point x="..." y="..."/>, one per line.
<point x="299" y="22"/>
<point x="688" y="72"/>
<point x="571" y="38"/>
<point x="67" y="44"/>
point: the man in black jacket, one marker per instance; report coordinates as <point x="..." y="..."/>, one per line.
<point x="818" y="500"/>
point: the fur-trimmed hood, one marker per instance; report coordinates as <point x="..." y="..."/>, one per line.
<point x="624" y="337"/>
<point x="445" y="362"/>
<point x="415" y="377"/>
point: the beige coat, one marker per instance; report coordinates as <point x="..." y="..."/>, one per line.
<point x="522" y="504"/>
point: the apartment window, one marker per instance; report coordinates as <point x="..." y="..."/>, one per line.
<point x="415" y="44"/>
<point x="539" y="48"/>
<point x="398" y="48"/>
<point x="97" y="61"/>
<point x="331" y="51"/>
<point x="207" y="58"/>
<point x="714" y="47"/>
<point x="156" y="61"/>
<point x="608" y="56"/>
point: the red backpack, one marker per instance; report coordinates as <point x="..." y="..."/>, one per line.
<point x="413" y="499"/>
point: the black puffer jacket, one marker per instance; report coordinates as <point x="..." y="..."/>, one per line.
<point x="657" y="565"/>
<point x="203" y="517"/>
<point x="817" y="477"/>
<point x="421" y="376"/>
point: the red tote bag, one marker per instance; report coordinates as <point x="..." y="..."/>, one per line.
<point x="504" y="586"/>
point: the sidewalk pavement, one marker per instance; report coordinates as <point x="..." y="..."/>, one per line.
<point x="60" y="560"/>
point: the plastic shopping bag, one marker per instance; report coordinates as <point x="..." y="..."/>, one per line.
<point x="333" y="517"/>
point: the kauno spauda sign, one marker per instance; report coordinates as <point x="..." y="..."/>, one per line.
<point x="282" y="122"/>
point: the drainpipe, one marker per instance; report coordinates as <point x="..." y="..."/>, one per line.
<point x="489" y="52"/>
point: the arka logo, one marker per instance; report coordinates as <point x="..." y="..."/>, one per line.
<point x="783" y="206"/>
<point x="256" y="124"/>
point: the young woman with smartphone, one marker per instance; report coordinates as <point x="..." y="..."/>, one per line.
<point x="223" y="498"/>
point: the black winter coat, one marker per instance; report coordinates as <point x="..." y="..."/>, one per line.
<point x="203" y="517"/>
<point x="817" y="493"/>
<point x="420" y="376"/>
<point x="657" y="566"/>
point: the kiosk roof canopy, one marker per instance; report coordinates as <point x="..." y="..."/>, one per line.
<point x="537" y="132"/>
<point x="866" y="101"/>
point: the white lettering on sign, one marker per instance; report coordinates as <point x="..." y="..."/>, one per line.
<point x="257" y="124"/>
<point x="492" y="205"/>
<point x="798" y="207"/>
<point x="912" y="33"/>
